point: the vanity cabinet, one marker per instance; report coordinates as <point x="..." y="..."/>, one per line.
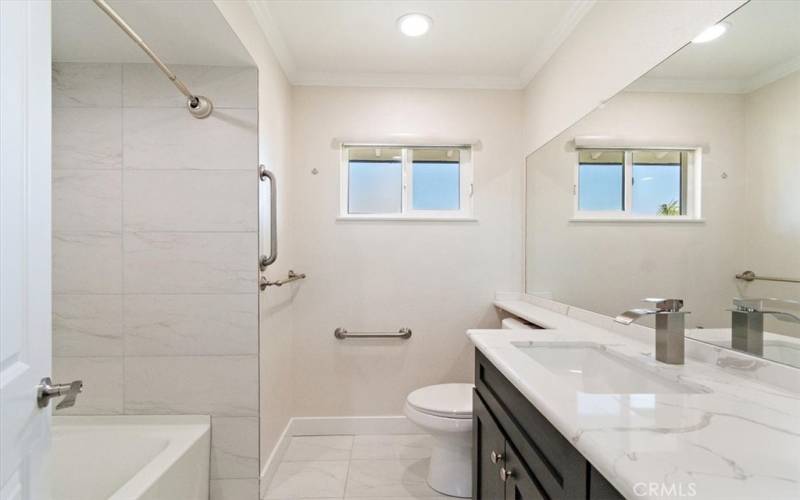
<point x="518" y="454"/>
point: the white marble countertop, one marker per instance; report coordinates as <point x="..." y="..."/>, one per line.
<point x="740" y="439"/>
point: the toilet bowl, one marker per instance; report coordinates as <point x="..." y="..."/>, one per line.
<point x="445" y="412"/>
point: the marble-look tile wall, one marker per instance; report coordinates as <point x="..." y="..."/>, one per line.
<point x="155" y="300"/>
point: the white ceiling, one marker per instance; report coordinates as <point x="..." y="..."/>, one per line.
<point x="472" y="44"/>
<point x="179" y="31"/>
<point x="762" y="44"/>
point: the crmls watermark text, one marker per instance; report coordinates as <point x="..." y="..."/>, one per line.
<point x="668" y="490"/>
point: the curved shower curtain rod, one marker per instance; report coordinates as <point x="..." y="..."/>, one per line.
<point x="199" y="106"/>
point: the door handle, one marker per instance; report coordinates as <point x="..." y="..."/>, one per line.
<point x="495" y="457"/>
<point x="505" y="474"/>
<point x="266" y="260"/>
<point x="47" y="390"/>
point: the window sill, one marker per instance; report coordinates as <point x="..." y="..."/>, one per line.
<point x="668" y="220"/>
<point x="402" y="218"/>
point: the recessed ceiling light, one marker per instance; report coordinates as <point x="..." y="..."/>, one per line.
<point x="711" y="33"/>
<point x="414" y="24"/>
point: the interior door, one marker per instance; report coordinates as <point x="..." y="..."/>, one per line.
<point x="25" y="256"/>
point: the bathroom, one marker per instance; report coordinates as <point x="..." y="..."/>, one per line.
<point x="250" y="252"/>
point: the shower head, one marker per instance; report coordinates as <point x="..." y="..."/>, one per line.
<point x="199" y="106"/>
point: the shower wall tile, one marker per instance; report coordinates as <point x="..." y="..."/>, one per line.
<point x="190" y="262"/>
<point x="87" y="85"/>
<point x="102" y="384"/>
<point x="234" y="489"/>
<point x="87" y="262"/>
<point x="87" y="200"/>
<point x="167" y="138"/>
<point x="87" y="138"/>
<point x="234" y="447"/>
<point x="87" y="325"/>
<point x="212" y="385"/>
<point x="226" y="86"/>
<point x="191" y="324"/>
<point x="191" y="200"/>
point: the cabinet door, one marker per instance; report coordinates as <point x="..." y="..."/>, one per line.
<point x="520" y="484"/>
<point x="487" y="455"/>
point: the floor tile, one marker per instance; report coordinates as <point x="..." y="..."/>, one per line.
<point x="305" y="448"/>
<point x="388" y="478"/>
<point x="318" y="479"/>
<point x="379" y="447"/>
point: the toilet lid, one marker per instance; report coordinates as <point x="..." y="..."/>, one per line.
<point x="443" y="400"/>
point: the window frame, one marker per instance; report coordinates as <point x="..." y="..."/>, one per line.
<point x="690" y="189"/>
<point x="466" y="186"/>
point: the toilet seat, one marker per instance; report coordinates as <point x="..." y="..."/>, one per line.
<point x="444" y="400"/>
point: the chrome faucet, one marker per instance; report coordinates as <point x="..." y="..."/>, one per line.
<point x="747" y="322"/>
<point x="670" y="323"/>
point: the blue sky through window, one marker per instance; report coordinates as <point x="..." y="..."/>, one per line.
<point x="654" y="185"/>
<point x="436" y="186"/>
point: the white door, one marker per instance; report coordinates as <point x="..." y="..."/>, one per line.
<point x="24" y="244"/>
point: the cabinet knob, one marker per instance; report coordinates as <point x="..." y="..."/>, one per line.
<point x="495" y="457"/>
<point x="505" y="474"/>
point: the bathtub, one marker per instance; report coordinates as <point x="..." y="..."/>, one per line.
<point x="130" y="457"/>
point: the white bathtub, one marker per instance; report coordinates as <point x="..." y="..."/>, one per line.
<point x="130" y="458"/>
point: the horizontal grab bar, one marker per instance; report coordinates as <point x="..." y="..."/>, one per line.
<point x="750" y="276"/>
<point x="342" y="333"/>
<point x="292" y="276"/>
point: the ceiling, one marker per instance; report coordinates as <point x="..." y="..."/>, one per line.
<point x="762" y="44"/>
<point x="472" y="44"/>
<point x="179" y="31"/>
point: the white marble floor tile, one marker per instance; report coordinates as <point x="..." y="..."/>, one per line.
<point x="380" y="446"/>
<point x="388" y="478"/>
<point x="318" y="479"/>
<point x="307" y="448"/>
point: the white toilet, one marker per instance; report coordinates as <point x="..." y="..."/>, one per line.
<point x="445" y="412"/>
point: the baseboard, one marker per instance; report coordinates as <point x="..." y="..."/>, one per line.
<point x="322" y="426"/>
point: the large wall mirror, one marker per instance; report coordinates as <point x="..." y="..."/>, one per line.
<point x="685" y="185"/>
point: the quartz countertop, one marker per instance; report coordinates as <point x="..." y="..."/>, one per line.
<point x="739" y="437"/>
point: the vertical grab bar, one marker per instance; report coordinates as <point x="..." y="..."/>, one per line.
<point x="266" y="260"/>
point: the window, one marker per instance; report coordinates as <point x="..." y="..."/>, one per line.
<point x="645" y="184"/>
<point x="392" y="182"/>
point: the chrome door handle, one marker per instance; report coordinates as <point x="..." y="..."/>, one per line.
<point x="47" y="390"/>
<point x="495" y="457"/>
<point x="266" y="260"/>
<point x="505" y="474"/>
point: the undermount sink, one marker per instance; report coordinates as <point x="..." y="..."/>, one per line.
<point x="590" y="368"/>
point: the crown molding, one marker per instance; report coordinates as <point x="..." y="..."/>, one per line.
<point x="555" y="38"/>
<point x="405" y="80"/>
<point x="721" y="86"/>
<point x="274" y="37"/>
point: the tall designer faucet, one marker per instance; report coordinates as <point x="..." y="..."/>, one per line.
<point x="669" y="327"/>
<point x="747" y="322"/>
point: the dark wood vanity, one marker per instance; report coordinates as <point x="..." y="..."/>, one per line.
<point x="518" y="454"/>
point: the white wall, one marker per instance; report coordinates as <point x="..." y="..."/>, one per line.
<point x="613" y="45"/>
<point x="276" y="320"/>
<point x="772" y="134"/>
<point x="438" y="278"/>
<point x="610" y="267"/>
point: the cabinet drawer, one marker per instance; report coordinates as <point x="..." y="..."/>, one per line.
<point x="558" y="467"/>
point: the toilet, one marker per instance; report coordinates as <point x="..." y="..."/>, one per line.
<point x="445" y="412"/>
